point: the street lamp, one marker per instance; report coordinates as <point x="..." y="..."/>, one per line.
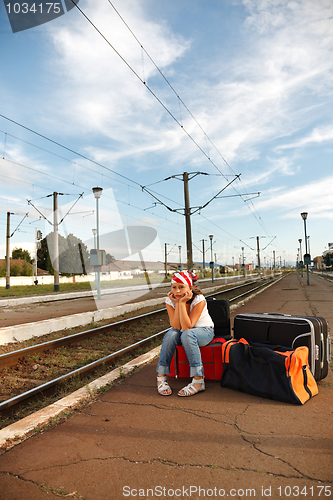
<point x="211" y="256"/>
<point x="94" y="231"/>
<point x="300" y="252"/>
<point x="97" y="193"/>
<point x="307" y="257"/>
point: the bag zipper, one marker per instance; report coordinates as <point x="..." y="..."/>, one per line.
<point x="305" y="378"/>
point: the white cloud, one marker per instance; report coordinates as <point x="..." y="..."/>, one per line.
<point x="279" y="85"/>
<point x="315" y="197"/>
<point x="317" y="136"/>
<point x="96" y="87"/>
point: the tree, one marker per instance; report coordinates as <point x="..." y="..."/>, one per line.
<point x="43" y="257"/>
<point x="26" y="270"/>
<point x="73" y="255"/>
<point x="109" y="258"/>
<point x="328" y="259"/>
<point x="20" y="254"/>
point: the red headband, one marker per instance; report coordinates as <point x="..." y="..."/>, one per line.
<point x="185" y="277"/>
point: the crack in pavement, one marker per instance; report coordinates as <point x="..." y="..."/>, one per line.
<point x="159" y="460"/>
<point x="241" y="432"/>
<point x="43" y="487"/>
<point x="169" y="408"/>
<point x="306" y="295"/>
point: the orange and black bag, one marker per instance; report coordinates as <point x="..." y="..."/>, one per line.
<point x="268" y="371"/>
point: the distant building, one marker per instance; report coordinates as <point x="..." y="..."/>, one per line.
<point x="318" y="263"/>
<point x="248" y="267"/>
<point x="329" y="250"/>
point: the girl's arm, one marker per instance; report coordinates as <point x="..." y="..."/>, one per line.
<point x="174" y="314"/>
<point x="188" y="321"/>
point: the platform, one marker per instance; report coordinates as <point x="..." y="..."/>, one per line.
<point x="130" y="442"/>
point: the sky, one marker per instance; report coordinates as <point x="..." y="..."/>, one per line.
<point x="128" y="95"/>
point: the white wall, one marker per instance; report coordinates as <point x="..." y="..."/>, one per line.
<point x="49" y="280"/>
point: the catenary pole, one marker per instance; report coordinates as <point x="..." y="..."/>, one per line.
<point x="8" y="252"/>
<point x="56" y="242"/>
<point x="188" y="223"/>
<point x="258" y="252"/>
<point x="203" y="259"/>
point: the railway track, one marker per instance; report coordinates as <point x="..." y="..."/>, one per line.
<point x="26" y="370"/>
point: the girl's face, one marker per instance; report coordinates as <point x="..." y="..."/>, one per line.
<point x="179" y="290"/>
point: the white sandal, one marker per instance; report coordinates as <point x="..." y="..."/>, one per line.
<point x="190" y="390"/>
<point x="163" y="386"/>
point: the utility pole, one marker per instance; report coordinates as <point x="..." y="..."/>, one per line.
<point x="55" y="232"/>
<point x="188" y="211"/>
<point x="273" y="261"/>
<point x="258" y="253"/>
<point x="8" y="252"/>
<point x="56" y="242"/>
<point x="165" y="260"/>
<point x="36" y="250"/>
<point x="243" y="265"/>
<point x="211" y="256"/>
<point x="203" y="259"/>
<point x="187" y="214"/>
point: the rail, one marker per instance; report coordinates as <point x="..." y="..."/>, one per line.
<point x="11" y="358"/>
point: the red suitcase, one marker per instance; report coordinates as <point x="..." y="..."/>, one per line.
<point x="211" y="356"/>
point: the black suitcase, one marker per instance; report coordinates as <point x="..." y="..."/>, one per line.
<point x="289" y="331"/>
<point x="219" y="311"/>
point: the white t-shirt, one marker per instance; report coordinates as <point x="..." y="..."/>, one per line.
<point x="205" y="319"/>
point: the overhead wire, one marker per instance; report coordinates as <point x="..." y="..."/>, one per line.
<point x="137" y="186"/>
<point x="255" y="212"/>
<point x="155" y="96"/>
<point x="147" y="86"/>
<point x="77" y="185"/>
<point x="180" y="100"/>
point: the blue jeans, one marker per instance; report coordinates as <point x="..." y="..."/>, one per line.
<point x="191" y="340"/>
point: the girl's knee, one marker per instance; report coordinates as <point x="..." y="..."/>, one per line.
<point x="172" y="332"/>
<point x="188" y="336"/>
<point x="171" y="335"/>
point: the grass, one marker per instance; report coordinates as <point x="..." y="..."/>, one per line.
<point x="18" y="291"/>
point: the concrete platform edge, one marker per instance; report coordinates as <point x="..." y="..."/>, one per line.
<point x="26" y="331"/>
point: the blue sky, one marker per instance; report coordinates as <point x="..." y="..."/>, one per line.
<point x="256" y="76"/>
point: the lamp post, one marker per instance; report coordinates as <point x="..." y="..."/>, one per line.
<point x="300" y="260"/>
<point x="243" y="262"/>
<point x="94" y="231"/>
<point x="97" y="193"/>
<point x="211" y="256"/>
<point x="203" y="259"/>
<point x="304" y="216"/>
<point x="180" y="258"/>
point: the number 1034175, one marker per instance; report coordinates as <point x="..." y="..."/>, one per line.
<point x="305" y="492"/>
<point x="35" y="8"/>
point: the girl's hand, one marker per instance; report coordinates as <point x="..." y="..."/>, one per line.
<point x="172" y="297"/>
<point x="188" y="295"/>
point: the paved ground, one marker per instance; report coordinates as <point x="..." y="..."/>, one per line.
<point x="132" y="443"/>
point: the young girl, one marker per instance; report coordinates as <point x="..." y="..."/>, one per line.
<point x="191" y="326"/>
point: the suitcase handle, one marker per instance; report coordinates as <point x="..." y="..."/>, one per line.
<point x="279" y="314"/>
<point x="322" y="344"/>
<point x="328" y="348"/>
